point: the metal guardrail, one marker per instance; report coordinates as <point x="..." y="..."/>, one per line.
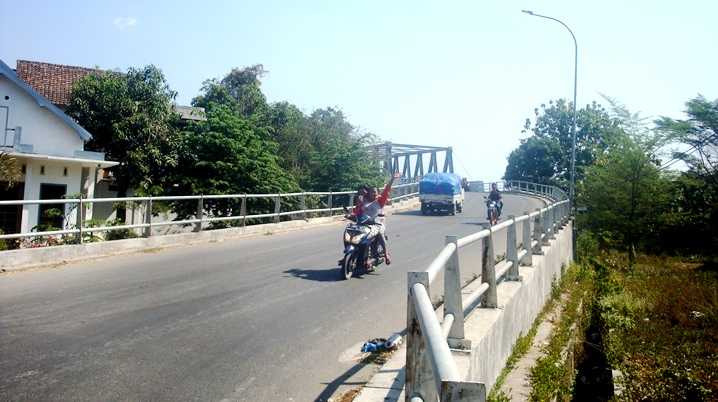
<point x="402" y="191"/>
<point x="431" y="372"/>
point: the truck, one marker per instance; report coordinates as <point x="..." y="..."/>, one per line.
<point x="441" y="192"/>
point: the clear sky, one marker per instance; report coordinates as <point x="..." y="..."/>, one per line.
<point x="458" y="73"/>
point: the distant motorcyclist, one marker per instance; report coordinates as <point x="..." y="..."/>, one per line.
<point x="494" y="195"/>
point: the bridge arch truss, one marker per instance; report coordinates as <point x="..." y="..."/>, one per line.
<point x="410" y="160"/>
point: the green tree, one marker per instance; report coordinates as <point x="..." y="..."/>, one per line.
<point x="131" y="119"/>
<point x="700" y="133"/>
<point x="241" y="90"/>
<point x="228" y="154"/>
<point x="291" y="130"/>
<point x="340" y="159"/>
<point x="626" y="194"/>
<point x="552" y="125"/>
<point x="10" y="171"/>
<point x="321" y="152"/>
<point x="696" y="226"/>
<point x="536" y="160"/>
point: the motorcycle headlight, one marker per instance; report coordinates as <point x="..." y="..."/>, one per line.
<point x="357" y="239"/>
<point x="347" y="237"/>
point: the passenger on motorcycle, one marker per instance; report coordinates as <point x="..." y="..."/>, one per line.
<point x="372" y="206"/>
<point x="494" y="195"/>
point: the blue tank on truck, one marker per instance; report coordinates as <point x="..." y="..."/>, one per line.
<point x="441" y="192"/>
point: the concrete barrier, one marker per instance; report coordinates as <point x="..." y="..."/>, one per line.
<point x="14" y="260"/>
<point x="492" y="332"/>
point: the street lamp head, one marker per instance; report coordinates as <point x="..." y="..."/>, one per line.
<point x="529" y="12"/>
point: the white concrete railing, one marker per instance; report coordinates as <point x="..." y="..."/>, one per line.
<point x="402" y="191"/>
<point x="431" y="372"/>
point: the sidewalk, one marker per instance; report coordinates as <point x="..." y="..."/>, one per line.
<point x="387" y="384"/>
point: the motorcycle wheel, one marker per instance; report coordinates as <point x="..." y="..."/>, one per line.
<point x="349" y="265"/>
<point x="494" y="219"/>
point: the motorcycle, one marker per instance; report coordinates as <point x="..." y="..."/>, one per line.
<point x="493" y="211"/>
<point x="361" y="248"/>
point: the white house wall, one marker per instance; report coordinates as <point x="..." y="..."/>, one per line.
<point x="54" y="174"/>
<point x="46" y="132"/>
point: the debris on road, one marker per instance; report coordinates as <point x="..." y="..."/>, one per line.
<point x="381" y="344"/>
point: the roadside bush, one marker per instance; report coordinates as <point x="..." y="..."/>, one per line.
<point x="119" y="234"/>
<point x="586" y="245"/>
<point x="621" y="310"/>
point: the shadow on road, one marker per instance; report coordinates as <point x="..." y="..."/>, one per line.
<point x="483" y="224"/>
<point x="375" y="359"/>
<point x="408" y="213"/>
<point x="333" y="386"/>
<point x="418" y="213"/>
<point x="320" y="275"/>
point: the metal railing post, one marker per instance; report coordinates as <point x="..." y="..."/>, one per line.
<point x="148" y="217"/>
<point x="200" y="213"/>
<point x="243" y="210"/>
<point x="303" y="201"/>
<point x="512" y="253"/>
<point x="277" y="207"/>
<point x="488" y="271"/>
<point x="566" y="213"/>
<point x="546" y="228"/>
<point x="419" y="373"/>
<point x="527" y="260"/>
<point x="452" y="297"/>
<point x="80" y="219"/>
<point x="538" y="233"/>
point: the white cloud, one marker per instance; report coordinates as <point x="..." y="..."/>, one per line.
<point x="123" y="23"/>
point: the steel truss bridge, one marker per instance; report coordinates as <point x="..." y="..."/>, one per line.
<point x="409" y="159"/>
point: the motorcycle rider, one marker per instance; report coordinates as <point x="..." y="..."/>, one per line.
<point x="372" y="206"/>
<point x="494" y="195"/>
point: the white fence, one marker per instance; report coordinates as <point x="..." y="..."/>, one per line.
<point x="326" y="201"/>
<point x="431" y="372"/>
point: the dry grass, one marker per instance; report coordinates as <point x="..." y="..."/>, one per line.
<point x="661" y="325"/>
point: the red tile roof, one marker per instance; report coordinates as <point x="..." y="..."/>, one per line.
<point x="53" y="81"/>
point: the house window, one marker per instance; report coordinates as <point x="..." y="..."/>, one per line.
<point x="42" y="169"/>
<point x="64" y="172"/>
<point x="24" y="169"/>
<point x="51" y="216"/>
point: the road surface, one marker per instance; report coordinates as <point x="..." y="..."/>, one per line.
<point x="257" y="319"/>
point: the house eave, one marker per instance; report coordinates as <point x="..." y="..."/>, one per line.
<point x="41" y="101"/>
<point x="65" y="159"/>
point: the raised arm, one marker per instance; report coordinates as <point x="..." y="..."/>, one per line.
<point x="384" y="197"/>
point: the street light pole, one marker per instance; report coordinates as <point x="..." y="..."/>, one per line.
<point x="572" y="188"/>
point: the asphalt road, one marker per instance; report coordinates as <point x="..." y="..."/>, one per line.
<point x="260" y="319"/>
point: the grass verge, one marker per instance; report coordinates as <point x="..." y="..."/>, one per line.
<point x="553" y="375"/>
<point x="660" y="326"/>
<point x="523" y="343"/>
